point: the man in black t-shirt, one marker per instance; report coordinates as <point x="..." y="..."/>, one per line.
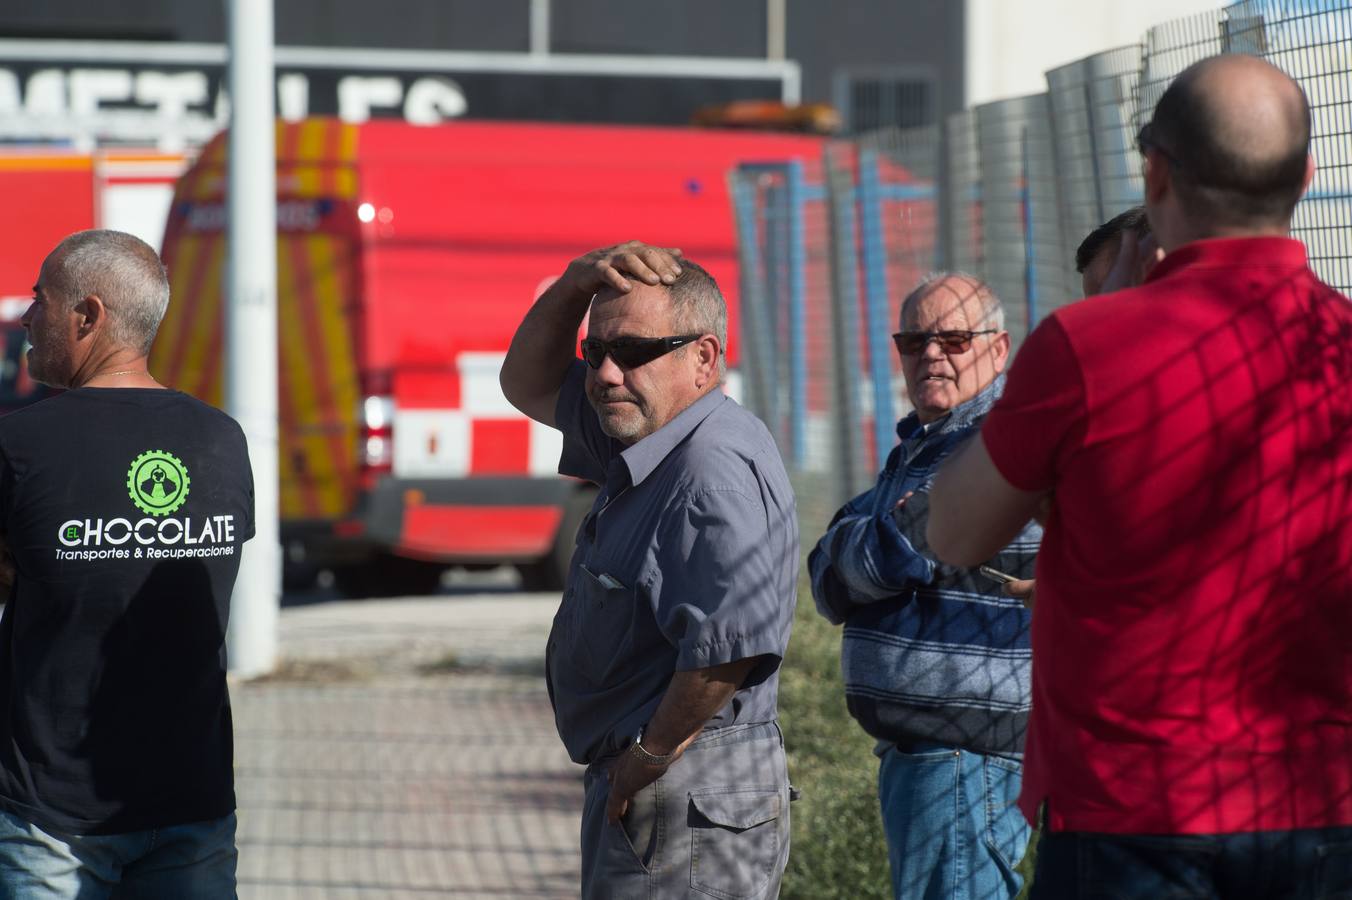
<point x="124" y="507"/>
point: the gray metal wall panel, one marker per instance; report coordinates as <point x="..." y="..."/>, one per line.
<point x="825" y="37"/>
<point x="687" y="28"/>
<point x="1015" y="141"/>
<point x="962" y="194"/>
<point x="1093" y="108"/>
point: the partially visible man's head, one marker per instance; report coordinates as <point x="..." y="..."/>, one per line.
<point x="952" y="342"/>
<point x="125" y="275"/>
<point x="632" y="402"/>
<point x="1233" y="133"/>
<point x="1098" y="251"/>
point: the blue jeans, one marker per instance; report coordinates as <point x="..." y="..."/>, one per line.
<point x="954" y="831"/>
<point x="182" y="861"/>
<point x="1306" y="864"/>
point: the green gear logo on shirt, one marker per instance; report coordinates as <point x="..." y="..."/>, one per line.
<point x="158" y="482"/>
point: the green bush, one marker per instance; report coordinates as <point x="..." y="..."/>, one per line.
<point x="838" y="847"/>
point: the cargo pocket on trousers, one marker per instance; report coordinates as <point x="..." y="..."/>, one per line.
<point x="734" y="840"/>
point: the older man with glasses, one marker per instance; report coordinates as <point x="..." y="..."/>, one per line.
<point x="663" y="661"/>
<point x="936" y="659"/>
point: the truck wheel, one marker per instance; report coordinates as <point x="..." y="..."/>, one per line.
<point x="388" y="576"/>
<point x="550" y="572"/>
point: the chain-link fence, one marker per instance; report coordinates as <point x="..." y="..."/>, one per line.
<point x="1312" y="40"/>
<point x="1093" y="105"/>
<point x="1005" y="191"/>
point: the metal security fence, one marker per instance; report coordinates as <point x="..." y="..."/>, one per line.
<point x="1020" y="202"/>
<point x="1006" y="191"/>
<point x="1094" y="116"/>
<point x="963" y="244"/>
<point x="781" y="215"/>
<point x="1312" y="41"/>
<point x="825" y="247"/>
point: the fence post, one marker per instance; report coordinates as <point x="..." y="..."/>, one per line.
<point x="797" y="277"/>
<point x="1029" y="256"/>
<point x="776" y="242"/>
<point x="845" y="330"/>
<point x="877" y="308"/>
<point x="751" y="293"/>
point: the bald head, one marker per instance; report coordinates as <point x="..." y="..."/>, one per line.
<point x="978" y="303"/>
<point x="1237" y="130"/>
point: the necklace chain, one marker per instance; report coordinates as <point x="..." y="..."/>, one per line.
<point x="119" y="372"/>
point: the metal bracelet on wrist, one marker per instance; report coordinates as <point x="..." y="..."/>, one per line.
<point x="649" y="759"/>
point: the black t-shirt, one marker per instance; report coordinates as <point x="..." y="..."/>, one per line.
<point x="125" y="510"/>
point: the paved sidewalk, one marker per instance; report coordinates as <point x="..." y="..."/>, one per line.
<point x="406" y="750"/>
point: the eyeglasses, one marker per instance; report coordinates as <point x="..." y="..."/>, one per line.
<point x="913" y="343"/>
<point x="1145" y="141"/>
<point x="632" y="352"/>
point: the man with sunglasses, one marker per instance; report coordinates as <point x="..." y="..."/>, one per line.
<point x="1192" y="722"/>
<point x="663" y="661"/>
<point x="936" y="659"/>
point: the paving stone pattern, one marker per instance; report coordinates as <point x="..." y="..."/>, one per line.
<point x="406" y="749"/>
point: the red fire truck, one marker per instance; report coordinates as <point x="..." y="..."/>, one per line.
<point x="406" y="258"/>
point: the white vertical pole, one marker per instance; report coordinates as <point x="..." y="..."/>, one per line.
<point x="539" y="26"/>
<point x="776" y="24"/>
<point x="984" y="53"/>
<point x="251" y="329"/>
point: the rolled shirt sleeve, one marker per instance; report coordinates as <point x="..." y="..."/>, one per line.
<point x="718" y="587"/>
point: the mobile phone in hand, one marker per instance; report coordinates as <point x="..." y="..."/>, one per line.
<point x="996" y="575"/>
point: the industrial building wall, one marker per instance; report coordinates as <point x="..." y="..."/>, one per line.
<point x="922" y="36"/>
<point x="913" y="38"/>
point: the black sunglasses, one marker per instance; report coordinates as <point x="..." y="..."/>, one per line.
<point x="913" y="343"/>
<point x="1145" y="141"/>
<point x="632" y="352"/>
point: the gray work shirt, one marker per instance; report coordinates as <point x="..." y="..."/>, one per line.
<point x="688" y="559"/>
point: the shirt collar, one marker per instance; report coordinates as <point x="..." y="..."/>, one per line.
<point x="646" y="455"/>
<point x="1224" y="253"/>
<point x="963" y="415"/>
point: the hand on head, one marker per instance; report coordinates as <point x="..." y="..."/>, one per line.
<point x="613" y="266"/>
<point x="1135" y="258"/>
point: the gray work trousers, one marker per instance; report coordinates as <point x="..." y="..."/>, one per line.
<point x="716" y="824"/>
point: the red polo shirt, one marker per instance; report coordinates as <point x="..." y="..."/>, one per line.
<point x="1192" y="642"/>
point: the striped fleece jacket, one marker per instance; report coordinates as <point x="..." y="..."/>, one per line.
<point x="931" y="653"/>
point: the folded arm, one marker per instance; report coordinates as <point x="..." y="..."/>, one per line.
<point x="863" y="558"/>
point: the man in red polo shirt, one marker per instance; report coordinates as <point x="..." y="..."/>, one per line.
<point x="1191" y="730"/>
